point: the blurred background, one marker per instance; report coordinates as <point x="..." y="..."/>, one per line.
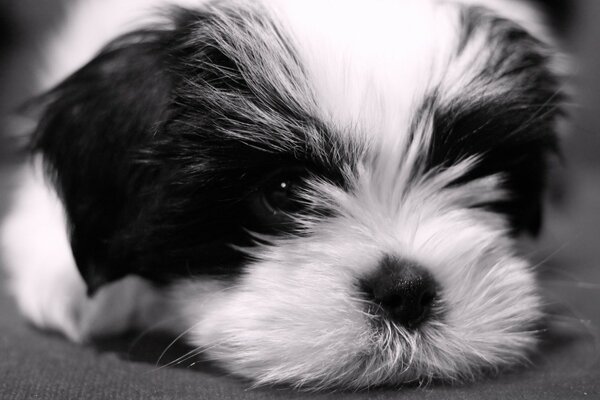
<point x="570" y="245"/>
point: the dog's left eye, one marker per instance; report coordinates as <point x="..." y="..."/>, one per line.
<point x="278" y="197"/>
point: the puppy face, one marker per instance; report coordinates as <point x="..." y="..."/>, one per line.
<point x="330" y="192"/>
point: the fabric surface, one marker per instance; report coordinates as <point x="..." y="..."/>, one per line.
<point x="41" y="365"/>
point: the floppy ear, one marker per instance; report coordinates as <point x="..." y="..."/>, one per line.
<point x="137" y="146"/>
<point x="143" y="144"/>
<point x="90" y="128"/>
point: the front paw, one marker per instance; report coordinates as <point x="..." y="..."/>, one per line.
<point x="54" y="302"/>
<point x="61" y="304"/>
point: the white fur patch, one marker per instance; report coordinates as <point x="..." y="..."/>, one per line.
<point x="371" y="63"/>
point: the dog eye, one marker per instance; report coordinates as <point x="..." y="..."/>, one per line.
<point x="278" y="197"/>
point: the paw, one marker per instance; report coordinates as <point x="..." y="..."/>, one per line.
<point x="132" y="303"/>
<point x="61" y="304"/>
<point x="52" y="302"/>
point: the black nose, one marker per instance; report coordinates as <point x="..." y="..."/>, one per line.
<point x="403" y="290"/>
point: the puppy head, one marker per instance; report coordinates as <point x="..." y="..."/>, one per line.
<point x="330" y="206"/>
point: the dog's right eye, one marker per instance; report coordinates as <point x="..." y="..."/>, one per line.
<point x="280" y="196"/>
<point x="277" y="198"/>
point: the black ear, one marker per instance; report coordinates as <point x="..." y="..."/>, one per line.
<point x="90" y="128"/>
<point x="143" y="144"/>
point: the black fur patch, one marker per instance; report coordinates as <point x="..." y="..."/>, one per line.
<point x="157" y="145"/>
<point x="512" y="132"/>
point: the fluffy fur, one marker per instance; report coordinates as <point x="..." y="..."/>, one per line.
<point x="417" y="130"/>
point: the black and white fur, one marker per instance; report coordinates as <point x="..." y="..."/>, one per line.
<point x="415" y="132"/>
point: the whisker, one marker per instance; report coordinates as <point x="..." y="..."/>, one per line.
<point x="182" y="334"/>
<point x="588" y="327"/>
<point x="149" y="330"/>
<point x="181" y="358"/>
<point x="559" y="249"/>
<point x="190" y="354"/>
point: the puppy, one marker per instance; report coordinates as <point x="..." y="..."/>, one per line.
<point x="319" y="194"/>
